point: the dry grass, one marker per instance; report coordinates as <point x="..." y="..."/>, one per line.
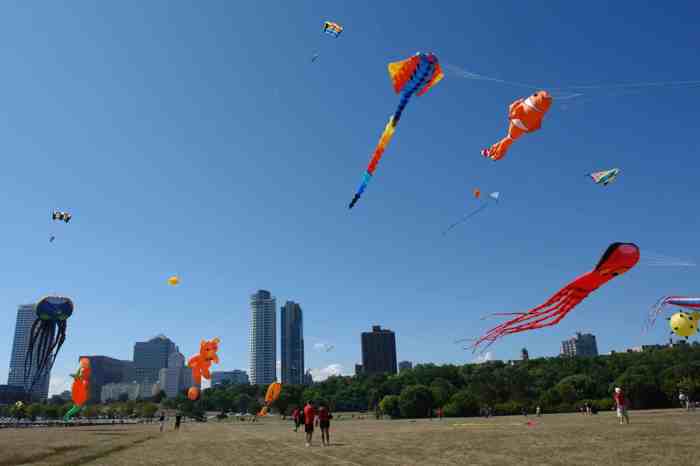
<point x="653" y="438"/>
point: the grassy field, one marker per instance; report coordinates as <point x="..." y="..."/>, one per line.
<point x="653" y="438"/>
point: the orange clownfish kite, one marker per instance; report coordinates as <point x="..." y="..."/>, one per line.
<point x="525" y="115"/>
<point x="200" y="364"/>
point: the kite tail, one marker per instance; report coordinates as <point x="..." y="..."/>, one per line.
<point x="72" y="412"/>
<point x="498" y="150"/>
<point x="384" y="140"/>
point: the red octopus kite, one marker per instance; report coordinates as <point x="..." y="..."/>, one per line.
<point x="617" y="259"/>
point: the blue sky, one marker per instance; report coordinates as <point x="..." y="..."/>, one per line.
<point x="198" y="139"/>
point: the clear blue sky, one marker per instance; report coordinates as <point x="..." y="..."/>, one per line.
<point x="198" y="139"/>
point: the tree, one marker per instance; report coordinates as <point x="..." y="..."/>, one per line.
<point x="441" y="390"/>
<point x="390" y="406"/>
<point x="461" y="404"/>
<point x="415" y="401"/>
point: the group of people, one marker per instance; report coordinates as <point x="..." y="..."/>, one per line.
<point x="178" y="419"/>
<point x="310" y="416"/>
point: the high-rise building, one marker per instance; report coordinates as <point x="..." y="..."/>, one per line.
<point x="358" y="369"/>
<point x="405" y="365"/>
<point x="104" y="370"/>
<point x="379" y="351"/>
<point x="234" y="377"/>
<point x="127" y="391"/>
<point x="176" y="377"/>
<point x="308" y="378"/>
<point x="524" y="355"/>
<point x="150" y="357"/>
<point x="20" y="344"/>
<point x="292" y="324"/>
<point x="10" y="394"/>
<point x="580" y="345"/>
<point x="262" y="338"/>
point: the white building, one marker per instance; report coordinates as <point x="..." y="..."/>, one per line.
<point x="133" y="390"/>
<point x="176" y="377"/>
<point x="25" y="319"/>
<point x="262" y="338"/>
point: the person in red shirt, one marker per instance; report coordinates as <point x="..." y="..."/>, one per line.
<point x="324" y="419"/>
<point x="621" y="404"/>
<point x="309" y="416"/>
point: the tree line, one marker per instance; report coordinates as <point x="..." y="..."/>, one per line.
<point x="651" y="379"/>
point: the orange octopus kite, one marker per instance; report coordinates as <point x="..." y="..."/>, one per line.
<point x="525" y="115"/>
<point x="200" y="364"/>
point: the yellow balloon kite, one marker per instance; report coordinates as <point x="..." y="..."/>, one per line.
<point x="174" y="280"/>
<point x="683" y="324"/>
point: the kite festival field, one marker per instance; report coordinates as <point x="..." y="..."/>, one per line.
<point x="653" y="438"/>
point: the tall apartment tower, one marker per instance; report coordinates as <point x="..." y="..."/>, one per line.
<point x="379" y="351"/>
<point x="262" y="338"/>
<point x="292" y="343"/>
<point x="580" y="345"/>
<point x="150" y="357"/>
<point x="20" y="344"/>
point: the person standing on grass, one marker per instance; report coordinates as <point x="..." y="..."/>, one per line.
<point x="162" y="421"/>
<point x="295" y="416"/>
<point x="538" y="411"/>
<point x="324" y="419"/>
<point x="309" y="416"/>
<point x="621" y="404"/>
<point x="178" y="418"/>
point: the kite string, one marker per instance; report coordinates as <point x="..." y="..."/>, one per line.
<point x="567" y="92"/>
<point x="466" y="217"/>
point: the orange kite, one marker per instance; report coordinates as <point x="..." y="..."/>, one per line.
<point x="525" y="115"/>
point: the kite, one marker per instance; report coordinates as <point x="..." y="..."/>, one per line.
<point x="605" y="177"/>
<point x="617" y="259"/>
<point x="46" y="337"/>
<point x="200" y="364"/>
<point x="325" y="347"/>
<point x="495" y="195"/>
<point x="477" y="193"/>
<point x="81" y="388"/>
<point x="63" y="216"/>
<point x="273" y="393"/>
<point x="525" y="115"/>
<point x="414" y="75"/>
<point x="174" y="280"/>
<point x="683" y="324"/>
<point x="333" y="29"/>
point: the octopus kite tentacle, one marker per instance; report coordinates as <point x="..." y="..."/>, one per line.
<point x="617" y="259"/>
<point x="686" y="302"/>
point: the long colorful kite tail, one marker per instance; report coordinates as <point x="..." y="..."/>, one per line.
<point x="415" y="75"/>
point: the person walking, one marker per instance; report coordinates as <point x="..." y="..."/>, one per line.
<point x="621" y="404"/>
<point x="178" y="418"/>
<point x="162" y="421"/>
<point x="538" y="411"/>
<point x="309" y="416"/>
<point x="295" y="416"/>
<point x="324" y="420"/>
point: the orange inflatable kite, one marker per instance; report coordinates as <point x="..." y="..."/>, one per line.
<point x="525" y="115"/>
<point x="200" y="364"/>
<point x="81" y="388"/>
<point x="273" y="392"/>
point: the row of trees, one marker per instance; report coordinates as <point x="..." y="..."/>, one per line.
<point x="53" y="411"/>
<point x="651" y="379"/>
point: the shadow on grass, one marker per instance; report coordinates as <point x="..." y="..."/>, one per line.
<point x="102" y="454"/>
<point x="38" y="457"/>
